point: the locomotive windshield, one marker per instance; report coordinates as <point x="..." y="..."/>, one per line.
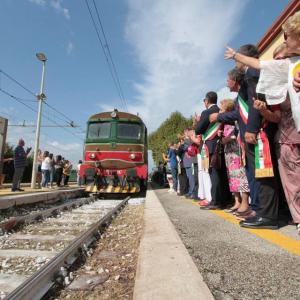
<point x="129" y="131"/>
<point x="99" y="130"/>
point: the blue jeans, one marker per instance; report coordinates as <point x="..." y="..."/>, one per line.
<point x="46" y="177"/>
<point x="174" y="176"/>
<point x="191" y="178"/>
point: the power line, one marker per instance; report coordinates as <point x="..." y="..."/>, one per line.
<point x="18" y="83"/>
<point x="68" y="121"/>
<point x="34" y="110"/>
<point x="109" y="53"/>
<point x="112" y="70"/>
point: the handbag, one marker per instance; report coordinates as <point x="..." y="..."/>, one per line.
<point x="216" y="158"/>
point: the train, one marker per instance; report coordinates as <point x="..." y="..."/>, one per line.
<point x="115" y="158"/>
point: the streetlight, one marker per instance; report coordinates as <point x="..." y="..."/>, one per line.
<point x="41" y="57"/>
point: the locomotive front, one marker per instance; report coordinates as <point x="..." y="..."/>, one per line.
<point x="115" y="153"/>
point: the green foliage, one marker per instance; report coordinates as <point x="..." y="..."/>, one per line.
<point x="167" y="133"/>
<point x="9" y="151"/>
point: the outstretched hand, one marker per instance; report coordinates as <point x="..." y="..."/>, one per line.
<point x="229" y="53"/>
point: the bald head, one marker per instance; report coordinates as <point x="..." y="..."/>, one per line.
<point x="21" y="142"/>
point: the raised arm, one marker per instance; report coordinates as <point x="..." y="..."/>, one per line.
<point x="246" y="60"/>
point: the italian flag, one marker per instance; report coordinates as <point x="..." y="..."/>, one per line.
<point x="244" y="109"/>
<point x="211" y="132"/>
<point x="204" y="157"/>
<point x="263" y="161"/>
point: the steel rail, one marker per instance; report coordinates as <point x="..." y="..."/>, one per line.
<point x="12" y="222"/>
<point x="39" y="284"/>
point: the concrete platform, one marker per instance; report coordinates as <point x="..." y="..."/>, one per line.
<point x="165" y="269"/>
<point x="9" y="199"/>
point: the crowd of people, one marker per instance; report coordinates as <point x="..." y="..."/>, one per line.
<point x="244" y="155"/>
<point x="51" y="171"/>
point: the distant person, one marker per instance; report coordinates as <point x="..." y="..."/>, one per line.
<point x="39" y="169"/>
<point x="79" y="178"/>
<point x="52" y="170"/>
<point x="58" y="165"/>
<point x="67" y="171"/>
<point x="20" y="157"/>
<point x="46" y="166"/>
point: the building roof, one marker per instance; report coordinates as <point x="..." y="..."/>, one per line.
<point x="275" y="28"/>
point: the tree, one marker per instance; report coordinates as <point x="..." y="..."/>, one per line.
<point x="167" y="133"/>
<point x="8" y="151"/>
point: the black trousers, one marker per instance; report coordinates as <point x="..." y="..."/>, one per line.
<point x="268" y="198"/>
<point x="183" y="182"/>
<point x="220" y="192"/>
<point x="58" y="175"/>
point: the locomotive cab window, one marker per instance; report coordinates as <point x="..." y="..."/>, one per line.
<point x="129" y="131"/>
<point x="99" y="130"/>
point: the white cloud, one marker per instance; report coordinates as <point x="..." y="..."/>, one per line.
<point x="180" y="49"/>
<point x="70" y="47"/>
<point x="63" y="146"/>
<point x="224" y="93"/>
<point x="71" y="151"/>
<point x="56" y="4"/>
<point x="39" y="2"/>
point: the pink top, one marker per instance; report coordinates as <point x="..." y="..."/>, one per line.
<point x="287" y="132"/>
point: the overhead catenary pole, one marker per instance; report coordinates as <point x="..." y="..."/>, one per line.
<point x="40" y="97"/>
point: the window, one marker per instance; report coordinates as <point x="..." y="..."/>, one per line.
<point x="99" y="130"/>
<point x="129" y="131"/>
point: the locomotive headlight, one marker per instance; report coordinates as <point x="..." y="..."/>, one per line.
<point x="132" y="156"/>
<point x="92" y="155"/>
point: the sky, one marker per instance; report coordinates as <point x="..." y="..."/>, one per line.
<point x="167" y="54"/>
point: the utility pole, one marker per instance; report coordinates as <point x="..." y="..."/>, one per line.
<point x="41" y="57"/>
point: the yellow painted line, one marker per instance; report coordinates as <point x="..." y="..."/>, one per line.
<point x="274" y="237"/>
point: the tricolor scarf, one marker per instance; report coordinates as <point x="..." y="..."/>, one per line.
<point x="244" y="109"/>
<point x="210" y="134"/>
<point x="263" y="161"/>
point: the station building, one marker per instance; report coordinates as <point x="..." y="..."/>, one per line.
<point x="274" y="36"/>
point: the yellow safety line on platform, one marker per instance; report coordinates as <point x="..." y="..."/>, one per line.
<point x="289" y="244"/>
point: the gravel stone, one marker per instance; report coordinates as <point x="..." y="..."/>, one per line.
<point x="117" y="242"/>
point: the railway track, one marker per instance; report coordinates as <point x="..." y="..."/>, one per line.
<point x="39" y="255"/>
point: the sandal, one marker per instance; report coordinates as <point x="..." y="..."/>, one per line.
<point x="231" y="210"/>
<point x="203" y="203"/>
<point x="243" y="213"/>
<point x="250" y="214"/>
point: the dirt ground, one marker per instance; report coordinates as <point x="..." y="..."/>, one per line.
<point x="110" y="272"/>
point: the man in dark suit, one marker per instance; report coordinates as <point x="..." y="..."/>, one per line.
<point x="220" y="190"/>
